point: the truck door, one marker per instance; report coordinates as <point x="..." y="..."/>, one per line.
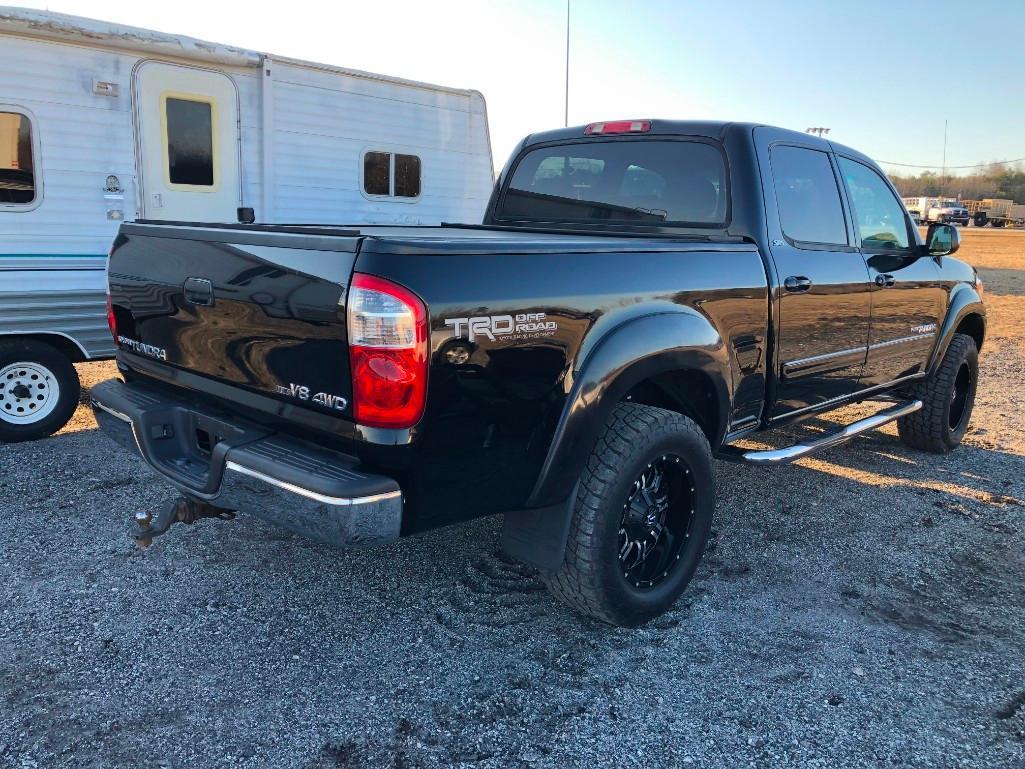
<point x="822" y="298"/>
<point x="908" y="299"/>
<point x="187" y="143"/>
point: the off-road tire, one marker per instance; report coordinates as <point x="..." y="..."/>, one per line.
<point x="929" y="428"/>
<point x="48" y="359"/>
<point x="591" y="579"/>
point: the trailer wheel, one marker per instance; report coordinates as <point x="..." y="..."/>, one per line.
<point x="980" y="219"/>
<point x="39" y="390"/>
<point x="641" y="518"/>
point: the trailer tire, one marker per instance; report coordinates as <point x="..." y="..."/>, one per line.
<point x="641" y="518"/>
<point x="947" y="400"/>
<point x="980" y="219"/>
<point x="39" y="390"/>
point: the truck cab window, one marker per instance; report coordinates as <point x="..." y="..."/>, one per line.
<point x="190" y="142"/>
<point x="664" y="182"/>
<point x="878" y="213"/>
<point x="807" y="196"/>
<point x="17" y="167"/>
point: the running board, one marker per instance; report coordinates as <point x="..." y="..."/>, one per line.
<point x="810" y="446"/>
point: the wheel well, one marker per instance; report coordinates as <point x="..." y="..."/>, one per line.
<point x="61" y="343"/>
<point x="974" y="327"/>
<point x="690" y="393"/>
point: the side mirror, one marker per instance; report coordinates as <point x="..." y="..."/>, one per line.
<point x="942" y="240"/>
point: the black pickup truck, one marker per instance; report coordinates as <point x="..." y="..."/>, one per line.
<point x="641" y="296"/>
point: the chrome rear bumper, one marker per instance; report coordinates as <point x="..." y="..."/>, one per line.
<point x="315" y="492"/>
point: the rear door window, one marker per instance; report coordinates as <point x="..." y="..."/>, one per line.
<point x="807" y="196"/>
<point x="646" y="181"/>
<point x="17" y="164"/>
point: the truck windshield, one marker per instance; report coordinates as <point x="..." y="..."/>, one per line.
<point x="633" y="181"/>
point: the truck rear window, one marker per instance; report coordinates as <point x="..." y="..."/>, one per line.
<point x="645" y="181"/>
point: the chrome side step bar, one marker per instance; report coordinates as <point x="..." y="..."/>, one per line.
<point x="804" y="448"/>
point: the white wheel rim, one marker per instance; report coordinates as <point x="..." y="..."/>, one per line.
<point x="29" y="392"/>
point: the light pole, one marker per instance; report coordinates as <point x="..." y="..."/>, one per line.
<point x="943" y="173"/>
<point x="565" y="120"/>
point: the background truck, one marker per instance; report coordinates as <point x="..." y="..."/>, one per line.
<point x="938" y="210"/>
<point x="997" y="212"/>
<point x="101" y="123"/>
<point x="641" y="296"/>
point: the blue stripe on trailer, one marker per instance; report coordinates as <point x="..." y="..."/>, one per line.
<point x="53" y="256"/>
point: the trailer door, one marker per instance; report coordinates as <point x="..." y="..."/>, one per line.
<point x="187" y="143"/>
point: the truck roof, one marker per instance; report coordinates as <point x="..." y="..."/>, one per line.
<point x="709" y="129"/>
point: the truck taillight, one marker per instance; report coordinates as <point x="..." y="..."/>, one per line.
<point x="111" y="319"/>
<point x="387" y="327"/>
<point x="618" y="127"/>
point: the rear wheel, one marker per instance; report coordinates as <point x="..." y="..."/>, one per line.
<point x="980" y="219"/>
<point x="948" y="397"/>
<point x="641" y="518"/>
<point x="39" y="390"/>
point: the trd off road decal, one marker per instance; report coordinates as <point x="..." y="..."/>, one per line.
<point x="529" y="325"/>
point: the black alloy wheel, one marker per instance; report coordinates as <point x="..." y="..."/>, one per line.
<point x="656" y="523"/>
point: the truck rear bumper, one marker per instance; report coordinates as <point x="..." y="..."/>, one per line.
<point x="237" y="465"/>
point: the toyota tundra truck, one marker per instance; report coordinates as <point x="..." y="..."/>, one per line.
<point x="640" y="298"/>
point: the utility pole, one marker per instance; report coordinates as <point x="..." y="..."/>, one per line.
<point x="565" y="121"/>
<point x="817" y="131"/>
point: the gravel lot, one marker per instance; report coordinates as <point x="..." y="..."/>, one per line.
<point x="865" y="607"/>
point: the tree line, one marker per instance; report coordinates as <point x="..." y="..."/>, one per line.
<point x="995" y="181"/>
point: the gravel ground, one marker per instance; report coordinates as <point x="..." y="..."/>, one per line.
<point x="864" y="607"/>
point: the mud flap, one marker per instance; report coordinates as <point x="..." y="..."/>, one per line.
<point x="538" y="537"/>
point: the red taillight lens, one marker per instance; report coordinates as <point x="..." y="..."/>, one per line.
<point x="111" y="319"/>
<point x="618" y="127"/>
<point x="388" y="352"/>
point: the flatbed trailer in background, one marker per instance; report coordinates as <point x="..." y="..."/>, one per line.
<point x="997" y="212"/>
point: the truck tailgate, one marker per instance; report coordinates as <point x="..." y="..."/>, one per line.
<point x="258" y="310"/>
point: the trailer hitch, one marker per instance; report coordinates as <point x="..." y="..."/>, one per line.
<point x="153" y="523"/>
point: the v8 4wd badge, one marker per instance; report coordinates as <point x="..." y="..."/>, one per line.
<point x="302" y="392"/>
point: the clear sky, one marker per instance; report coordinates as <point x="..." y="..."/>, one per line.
<point x="882" y="74"/>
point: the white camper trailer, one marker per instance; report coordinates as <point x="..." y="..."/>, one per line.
<point x="100" y="123"/>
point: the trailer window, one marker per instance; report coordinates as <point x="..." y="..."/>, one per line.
<point x="807" y="196"/>
<point x="17" y="166"/>
<point x="190" y="142"/>
<point x="647" y="181"/>
<point x="407" y="176"/>
<point x="391" y="174"/>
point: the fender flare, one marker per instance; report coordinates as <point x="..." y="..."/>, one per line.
<point x="964" y="301"/>
<point x="628" y="354"/>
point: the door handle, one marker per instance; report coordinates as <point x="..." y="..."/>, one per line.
<point x="883" y="280"/>
<point x="797" y="283"/>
